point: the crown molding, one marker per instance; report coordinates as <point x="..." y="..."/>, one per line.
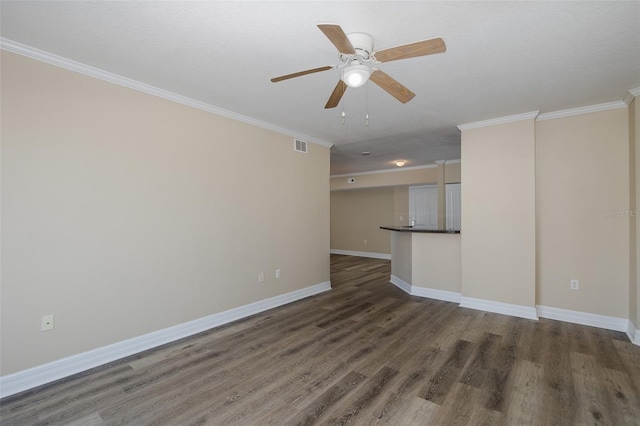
<point x="59" y="61"/>
<point x="582" y="110"/>
<point x="630" y="96"/>
<point x="499" y="120"/>
<point x="374" y="172"/>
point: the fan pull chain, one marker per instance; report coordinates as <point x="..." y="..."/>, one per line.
<point x="343" y="116"/>
<point x="366" y="104"/>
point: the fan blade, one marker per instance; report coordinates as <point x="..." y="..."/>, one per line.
<point x="391" y="86"/>
<point x="339" y="39"/>
<point x="419" y="48"/>
<point x="335" y="97"/>
<point x="301" y="73"/>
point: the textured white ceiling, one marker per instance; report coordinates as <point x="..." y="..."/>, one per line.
<point x="502" y="58"/>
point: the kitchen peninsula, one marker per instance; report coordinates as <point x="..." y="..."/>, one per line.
<point x="426" y="262"/>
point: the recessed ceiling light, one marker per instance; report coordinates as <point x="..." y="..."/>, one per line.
<point x="365" y="153"/>
<point x="400" y="163"/>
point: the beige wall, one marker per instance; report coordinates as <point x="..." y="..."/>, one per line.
<point x="582" y="180"/>
<point x="452" y="173"/>
<point x="436" y="261"/>
<point x="637" y="186"/>
<point x="634" y="293"/>
<point x="123" y="213"/>
<point x="498" y="213"/>
<point x="401" y="255"/>
<point x="357" y="215"/>
<point x="401" y="205"/>
<point x="633" y="238"/>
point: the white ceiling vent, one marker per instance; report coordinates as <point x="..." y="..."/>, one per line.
<point x="300" y="146"/>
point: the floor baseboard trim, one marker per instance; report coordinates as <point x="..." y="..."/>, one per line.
<point x="430" y="293"/>
<point x="401" y="284"/>
<point x="632" y="333"/>
<point x="584" y="318"/>
<point x="65" y="367"/>
<point x="361" y="254"/>
<point x="528" y="312"/>
<point x="576" y="317"/>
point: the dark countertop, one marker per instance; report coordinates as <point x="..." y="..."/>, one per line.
<point x="417" y="229"/>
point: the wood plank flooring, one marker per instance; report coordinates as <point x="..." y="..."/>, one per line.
<point x="363" y="354"/>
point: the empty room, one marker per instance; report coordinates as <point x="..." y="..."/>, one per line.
<point x="301" y="212"/>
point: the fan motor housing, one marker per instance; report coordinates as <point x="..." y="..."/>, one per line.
<point x="362" y="43"/>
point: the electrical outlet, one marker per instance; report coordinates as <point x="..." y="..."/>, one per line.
<point x="277" y="273"/>
<point x="365" y="242"/>
<point x="261" y="277"/>
<point x="46" y="323"/>
<point x="575" y="284"/>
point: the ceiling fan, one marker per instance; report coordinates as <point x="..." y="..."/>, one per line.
<point x="356" y="55"/>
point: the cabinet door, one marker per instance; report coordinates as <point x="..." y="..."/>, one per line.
<point x="453" y="206"/>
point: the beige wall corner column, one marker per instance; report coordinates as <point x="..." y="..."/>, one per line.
<point x="401" y="254"/>
<point x="582" y="211"/>
<point x="633" y="232"/>
<point x="442" y="213"/>
<point x="425" y="262"/>
<point x="636" y="127"/>
<point x="498" y="248"/>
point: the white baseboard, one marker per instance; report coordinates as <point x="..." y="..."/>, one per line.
<point x="584" y="318"/>
<point x="401" y="284"/>
<point x="42" y="374"/>
<point x="528" y="312"/>
<point x="361" y="254"/>
<point x="430" y="293"/>
<point x="576" y="317"/>
<point x="632" y="333"/>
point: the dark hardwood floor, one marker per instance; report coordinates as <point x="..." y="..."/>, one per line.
<point x="365" y="353"/>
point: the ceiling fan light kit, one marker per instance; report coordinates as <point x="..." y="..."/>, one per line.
<point x="356" y="75"/>
<point x="357" y="48"/>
